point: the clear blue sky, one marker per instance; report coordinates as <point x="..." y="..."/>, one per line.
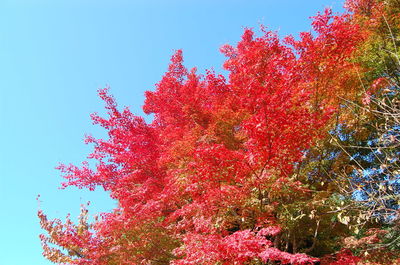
<point x="55" y="54"/>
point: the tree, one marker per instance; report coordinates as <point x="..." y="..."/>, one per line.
<point x="232" y="170"/>
<point x="370" y="140"/>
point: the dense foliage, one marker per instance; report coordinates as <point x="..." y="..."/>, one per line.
<point x="291" y="159"/>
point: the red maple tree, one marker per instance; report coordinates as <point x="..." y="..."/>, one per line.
<point x="204" y="181"/>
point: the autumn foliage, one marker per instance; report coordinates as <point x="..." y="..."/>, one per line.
<point x="249" y="168"/>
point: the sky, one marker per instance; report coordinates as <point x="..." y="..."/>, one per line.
<point x="55" y="54"/>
